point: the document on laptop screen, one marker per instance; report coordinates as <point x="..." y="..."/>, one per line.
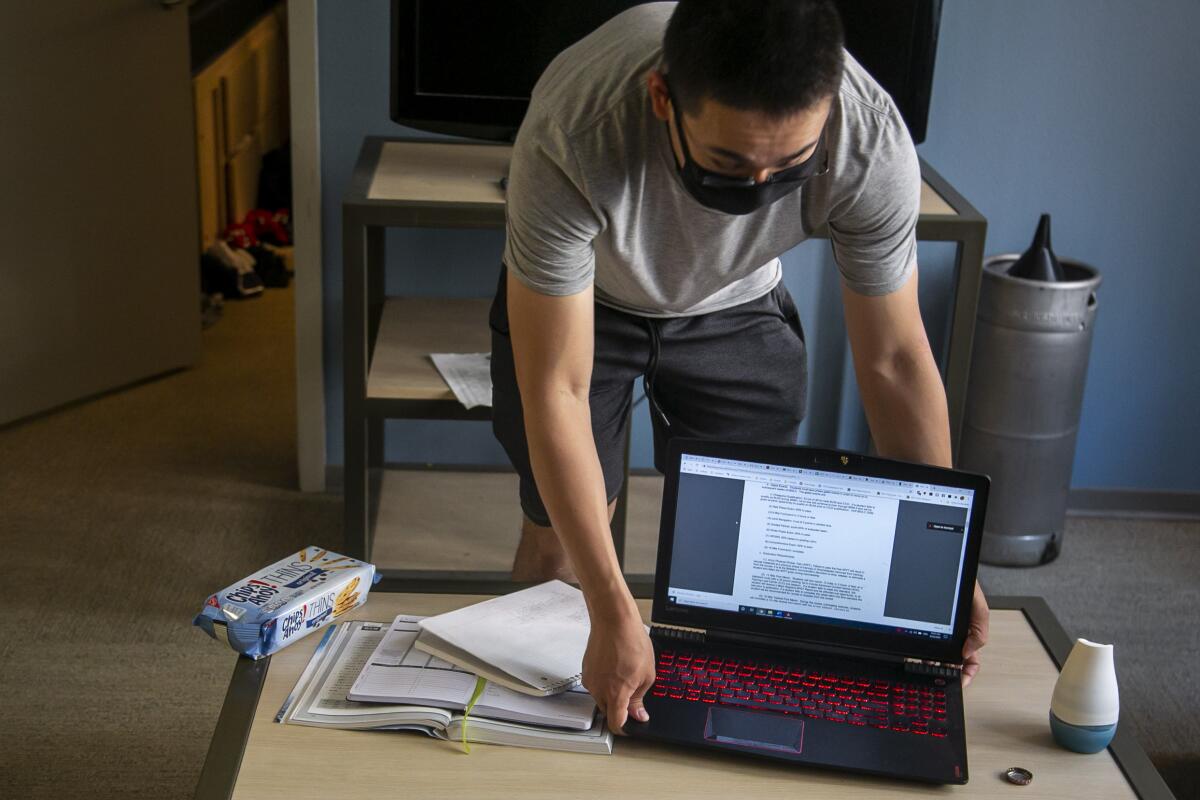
<point x="798" y="543"/>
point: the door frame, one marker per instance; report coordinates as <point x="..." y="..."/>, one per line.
<point x="303" y="83"/>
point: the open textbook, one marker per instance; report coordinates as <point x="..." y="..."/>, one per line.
<point x="397" y="672"/>
<point x="320" y="699"/>
<point x="531" y="641"/>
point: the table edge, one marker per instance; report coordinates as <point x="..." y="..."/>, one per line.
<point x="219" y="775"/>
<point x="224" y="760"/>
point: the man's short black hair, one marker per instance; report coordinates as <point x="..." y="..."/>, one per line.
<point x="774" y="56"/>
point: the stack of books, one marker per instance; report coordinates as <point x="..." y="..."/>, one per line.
<point x="514" y="661"/>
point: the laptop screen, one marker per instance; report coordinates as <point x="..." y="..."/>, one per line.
<point x="793" y="543"/>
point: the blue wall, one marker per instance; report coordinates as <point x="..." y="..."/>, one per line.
<point x="1076" y="107"/>
<point x="1088" y="110"/>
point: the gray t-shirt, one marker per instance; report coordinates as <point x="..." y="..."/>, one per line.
<point x="594" y="196"/>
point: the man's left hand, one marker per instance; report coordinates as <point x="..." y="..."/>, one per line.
<point x="977" y="635"/>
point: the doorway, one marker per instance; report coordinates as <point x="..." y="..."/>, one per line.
<point x="255" y="115"/>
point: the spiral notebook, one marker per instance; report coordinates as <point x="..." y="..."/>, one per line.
<point x="531" y="641"/>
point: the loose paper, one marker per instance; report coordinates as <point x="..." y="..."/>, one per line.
<point x="469" y="376"/>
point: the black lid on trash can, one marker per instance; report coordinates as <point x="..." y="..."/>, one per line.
<point x="1039" y="263"/>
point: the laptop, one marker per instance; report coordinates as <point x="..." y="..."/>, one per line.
<point x="811" y="606"/>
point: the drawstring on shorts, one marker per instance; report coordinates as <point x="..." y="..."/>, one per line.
<point x="651" y="368"/>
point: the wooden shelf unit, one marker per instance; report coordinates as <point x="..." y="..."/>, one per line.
<point x="387" y="340"/>
<point x="457" y="522"/>
<point x="402" y="380"/>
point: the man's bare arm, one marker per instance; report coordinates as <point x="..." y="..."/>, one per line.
<point x="552" y="340"/>
<point x="898" y="379"/>
<point x="905" y="402"/>
<point x="552" y="349"/>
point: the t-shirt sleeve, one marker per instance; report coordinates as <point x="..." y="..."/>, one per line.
<point x="874" y="235"/>
<point x="550" y="224"/>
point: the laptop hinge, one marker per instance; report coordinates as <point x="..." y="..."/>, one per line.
<point x="919" y="667"/>
<point x="678" y="633"/>
<point x="777" y="643"/>
<point x="915" y="666"/>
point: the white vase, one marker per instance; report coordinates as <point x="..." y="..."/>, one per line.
<point x="1085" y="705"/>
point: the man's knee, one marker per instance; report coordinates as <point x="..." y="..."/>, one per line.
<point x="531" y="528"/>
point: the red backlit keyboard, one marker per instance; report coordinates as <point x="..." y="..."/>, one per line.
<point x="887" y="705"/>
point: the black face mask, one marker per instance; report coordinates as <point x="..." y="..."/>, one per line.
<point x="742" y="195"/>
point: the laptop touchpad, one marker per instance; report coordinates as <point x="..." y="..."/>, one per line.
<point x="754" y="729"/>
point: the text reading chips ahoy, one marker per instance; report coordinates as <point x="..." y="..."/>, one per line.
<point x="286" y="601"/>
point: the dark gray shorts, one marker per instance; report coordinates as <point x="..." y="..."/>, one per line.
<point x="738" y="375"/>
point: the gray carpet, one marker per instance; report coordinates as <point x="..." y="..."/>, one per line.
<point x="118" y="516"/>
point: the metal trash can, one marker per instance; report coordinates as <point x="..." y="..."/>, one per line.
<point x="1028" y="364"/>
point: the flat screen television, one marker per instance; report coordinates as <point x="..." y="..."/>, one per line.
<point x="466" y="68"/>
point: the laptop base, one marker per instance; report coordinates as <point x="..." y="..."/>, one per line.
<point x="740" y="727"/>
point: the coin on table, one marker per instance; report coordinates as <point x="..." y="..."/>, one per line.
<point x="1018" y="775"/>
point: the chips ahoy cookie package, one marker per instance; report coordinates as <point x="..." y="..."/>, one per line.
<point x="286" y="601"/>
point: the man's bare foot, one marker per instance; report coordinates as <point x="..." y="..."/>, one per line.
<point x="540" y="556"/>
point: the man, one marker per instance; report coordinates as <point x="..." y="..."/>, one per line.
<point x="665" y="163"/>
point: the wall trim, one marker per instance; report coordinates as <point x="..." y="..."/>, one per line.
<point x="303" y="83"/>
<point x="1147" y="503"/>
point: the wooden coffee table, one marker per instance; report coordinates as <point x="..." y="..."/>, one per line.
<point x="254" y="758"/>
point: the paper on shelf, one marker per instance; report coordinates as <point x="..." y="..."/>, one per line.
<point x="469" y="376"/>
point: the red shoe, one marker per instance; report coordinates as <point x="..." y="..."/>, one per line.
<point x="241" y="235"/>
<point x="267" y="226"/>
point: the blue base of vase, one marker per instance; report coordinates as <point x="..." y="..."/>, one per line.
<point x="1081" y="738"/>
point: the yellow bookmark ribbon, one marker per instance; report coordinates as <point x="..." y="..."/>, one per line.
<point x="479" y="684"/>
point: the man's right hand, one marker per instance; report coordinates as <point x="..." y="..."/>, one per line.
<point x="552" y="342"/>
<point x="618" y="666"/>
